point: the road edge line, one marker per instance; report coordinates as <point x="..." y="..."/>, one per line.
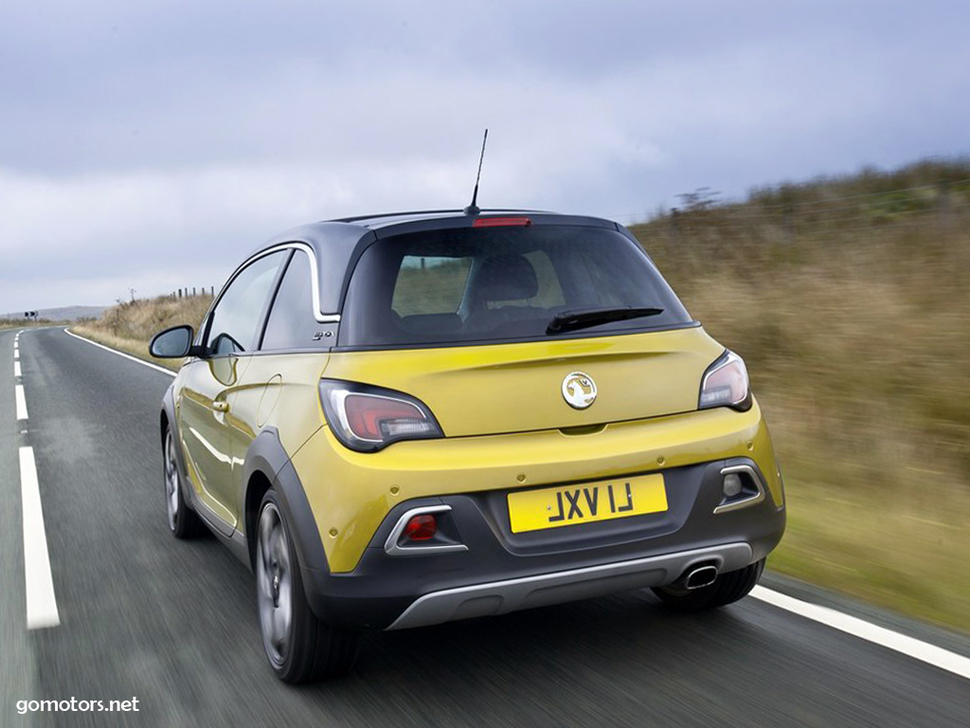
<point x="135" y="359"/>
<point x="904" y="644"/>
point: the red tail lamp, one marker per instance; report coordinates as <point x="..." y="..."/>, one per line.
<point x="422" y="527"/>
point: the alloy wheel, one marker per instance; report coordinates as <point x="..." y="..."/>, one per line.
<point x="171" y="481"/>
<point x="274" y="584"/>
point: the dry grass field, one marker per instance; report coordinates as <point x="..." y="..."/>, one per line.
<point x="130" y="326"/>
<point x="23" y="323"/>
<point x="849" y="299"/>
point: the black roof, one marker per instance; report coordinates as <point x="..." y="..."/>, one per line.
<point x="336" y="244"/>
<point x="385" y="219"/>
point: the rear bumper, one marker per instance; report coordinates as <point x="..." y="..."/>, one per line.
<point x="501" y="597"/>
<point x="351" y="493"/>
<point x="502" y="571"/>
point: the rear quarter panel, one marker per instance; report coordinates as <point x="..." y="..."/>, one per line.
<point x="278" y="391"/>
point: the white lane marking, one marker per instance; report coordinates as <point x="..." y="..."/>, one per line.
<point x="163" y="370"/>
<point x="16" y="344"/>
<point x="16" y="369"/>
<point x="41" y="604"/>
<point x="923" y="651"/>
<point x="21" y="402"/>
<point x="16" y="353"/>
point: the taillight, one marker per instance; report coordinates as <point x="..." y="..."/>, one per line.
<point x="366" y="418"/>
<point x="725" y="383"/>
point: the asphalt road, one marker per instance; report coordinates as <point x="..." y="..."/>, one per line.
<point x="173" y="624"/>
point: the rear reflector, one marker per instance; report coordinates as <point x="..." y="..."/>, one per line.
<point x="421" y="528"/>
<point x="502" y="222"/>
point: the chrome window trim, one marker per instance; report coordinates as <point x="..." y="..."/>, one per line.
<point x="320" y="316"/>
<point x="391" y="547"/>
<point x="204" y="329"/>
<point x="750" y="500"/>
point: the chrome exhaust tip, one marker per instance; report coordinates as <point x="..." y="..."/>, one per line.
<point x="700" y="577"/>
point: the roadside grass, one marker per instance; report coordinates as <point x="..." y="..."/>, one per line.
<point x="22" y="323"/>
<point x="849" y="300"/>
<point x="129" y="326"/>
<point x="855" y="325"/>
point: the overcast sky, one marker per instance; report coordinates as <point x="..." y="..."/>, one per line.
<point x="152" y="145"/>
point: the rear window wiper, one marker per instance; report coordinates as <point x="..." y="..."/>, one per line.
<point x="582" y="318"/>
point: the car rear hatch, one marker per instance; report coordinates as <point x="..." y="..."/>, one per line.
<point x="519" y="325"/>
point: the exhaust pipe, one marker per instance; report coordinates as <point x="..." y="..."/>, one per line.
<point x="700" y="577"/>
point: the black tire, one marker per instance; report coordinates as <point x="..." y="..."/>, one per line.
<point x="300" y="647"/>
<point x="182" y="520"/>
<point x="727" y="588"/>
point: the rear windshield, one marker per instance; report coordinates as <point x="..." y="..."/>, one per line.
<point x="492" y="285"/>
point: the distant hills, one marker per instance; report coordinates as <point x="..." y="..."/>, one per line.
<point x="67" y="313"/>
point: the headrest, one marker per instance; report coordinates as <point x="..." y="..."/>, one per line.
<point x="507" y="277"/>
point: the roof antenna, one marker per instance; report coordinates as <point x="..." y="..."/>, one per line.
<point x="472" y="209"/>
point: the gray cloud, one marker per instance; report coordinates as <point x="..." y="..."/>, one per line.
<point x="147" y="144"/>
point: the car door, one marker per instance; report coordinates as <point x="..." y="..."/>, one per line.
<point x="210" y="385"/>
<point x="280" y="386"/>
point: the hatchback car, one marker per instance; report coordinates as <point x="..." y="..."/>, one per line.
<point x="406" y="419"/>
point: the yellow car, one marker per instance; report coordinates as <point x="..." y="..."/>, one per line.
<point x="406" y="419"/>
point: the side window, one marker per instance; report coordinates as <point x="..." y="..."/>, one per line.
<point x="291" y="323"/>
<point x="234" y="324"/>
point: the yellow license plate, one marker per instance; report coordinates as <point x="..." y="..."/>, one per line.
<point x="531" y="510"/>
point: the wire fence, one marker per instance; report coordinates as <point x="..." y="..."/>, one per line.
<point x="193" y="291"/>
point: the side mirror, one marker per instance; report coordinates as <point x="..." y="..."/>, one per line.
<point x="173" y="343"/>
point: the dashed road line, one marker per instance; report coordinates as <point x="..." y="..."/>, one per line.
<point x="135" y="359"/>
<point x="41" y="603"/>
<point x="21" y="402"/>
<point x="16" y="353"/>
<point x="16" y="369"/>
<point x="923" y="651"/>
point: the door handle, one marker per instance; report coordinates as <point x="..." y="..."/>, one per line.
<point x="220" y="406"/>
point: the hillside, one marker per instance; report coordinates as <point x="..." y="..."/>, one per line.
<point x="848" y="297"/>
<point x="129" y="326"/>
<point x="65" y="313"/>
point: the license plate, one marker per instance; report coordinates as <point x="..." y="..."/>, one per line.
<point x="531" y="510"/>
